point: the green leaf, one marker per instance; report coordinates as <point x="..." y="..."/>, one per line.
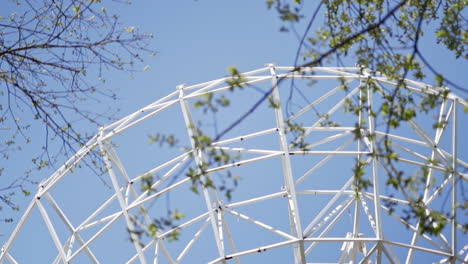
<point x="385" y="109"/>
<point x="270" y="3"/>
<point x="393" y="182"/>
<point x="77" y="10"/>
<point x="439" y="79"/>
<point x="408" y="114"/>
<point x="441" y="33"/>
<point x="174" y="236"/>
<point x="236" y="80"/>
<point x="178" y="215"/>
<point x="194" y="188"/>
<point x="272" y="103"/>
<point x="393" y="156"/>
<point x="130" y="29"/>
<point x="153" y="229"/>
<point x="233" y="70"/>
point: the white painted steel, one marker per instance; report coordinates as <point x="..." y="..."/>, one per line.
<point x="346" y="225"/>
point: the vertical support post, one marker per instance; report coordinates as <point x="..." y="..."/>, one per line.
<point x="357" y="213"/>
<point x="357" y="208"/>
<point x="454" y="181"/>
<point x="295" y="221"/>
<point x="198" y="156"/>
<point x="156" y="251"/>
<point x="437" y="137"/>
<point x="375" y="178"/>
<point x="220" y="225"/>
<point x="121" y="200"/>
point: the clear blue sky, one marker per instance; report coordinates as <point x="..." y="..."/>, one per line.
<point x="195" y="41"/>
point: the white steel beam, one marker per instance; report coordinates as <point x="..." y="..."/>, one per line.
<point x="256" y="200"/>
<point x="338" y="209"/>
<point x="328" y="206"/>
<point x="199" y="159"/>
<point x="294" y="217"/>
<point x="323" y="161"/>
<point x="316" y="102"/>
<point x="340" y="212"/>
<point x="375" y="177"/>
<point x="192" y="241"/>
<point x="94" y="237"/>
<point x="331" y="111"/>
<point x="428" y="185"/>
<point x="70" y="227"/>
<point x="454" y="179"/>
<point x="10" y="258"/>
<point x="52" y="231"/>
<point x="260" y="224"/>
<point x="122" y="203"/>
<point x="255" y="250"/>
<point x="17" y="230"/>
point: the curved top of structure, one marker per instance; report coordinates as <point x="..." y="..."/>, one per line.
<point x="259" y="167"/>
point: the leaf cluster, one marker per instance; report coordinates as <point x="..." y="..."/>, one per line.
<point x="212" y="156"/>
<point x="385" y="36"/>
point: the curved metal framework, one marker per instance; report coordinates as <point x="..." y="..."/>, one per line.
<point x="303" y="204"/>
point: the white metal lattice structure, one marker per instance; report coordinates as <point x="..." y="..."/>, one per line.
<point x="291" y="205"/>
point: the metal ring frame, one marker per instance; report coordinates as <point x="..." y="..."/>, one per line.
<point x="305" y="237"/>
